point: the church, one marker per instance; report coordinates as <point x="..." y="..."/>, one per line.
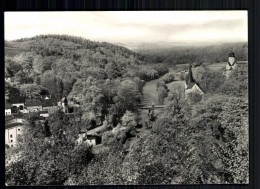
<point x="191" y="86"/>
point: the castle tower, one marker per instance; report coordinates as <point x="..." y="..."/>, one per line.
<point x="231" y="58"/>
<point x="231" y="64"/>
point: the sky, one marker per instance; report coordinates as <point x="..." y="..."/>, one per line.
<point x="132" y="26"/>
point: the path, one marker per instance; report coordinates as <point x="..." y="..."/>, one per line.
<point x="150" y="96"/>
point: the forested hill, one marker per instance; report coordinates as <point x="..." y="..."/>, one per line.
<point x="196" y="54"/>
<point x="64" y="45"/>
<point x="67" y="66"/>
<point x="59" y="45"/>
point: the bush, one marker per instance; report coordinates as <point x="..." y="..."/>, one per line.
<point x="162" y="94"/>
<point x="194" y="98"/>
<point x="108" y="138"/>
<point x="128" y="119"/>
<point x="167" y="78"/>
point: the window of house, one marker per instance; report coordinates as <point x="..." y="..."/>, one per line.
<point x="18" y="129"/>
<point x="11" y="140"/>
<point x="21" y="107"/>
<point x="11" y="136"/>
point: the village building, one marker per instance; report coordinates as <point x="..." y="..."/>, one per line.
<point x="8" y="76"/>
<point x="33" y="104"/>
<point x="7" y="94"/>
<point x="191" y="86"/>
<point x="92" y="139"/>
<point x="90" y="136"/>
<point x="49" y="104"/>
<point x="8" y="109"/>
<point x="17" y="104"/>
<point x="12" y="132"/>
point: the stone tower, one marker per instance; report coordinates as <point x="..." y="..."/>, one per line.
<point x="231" y="64"/>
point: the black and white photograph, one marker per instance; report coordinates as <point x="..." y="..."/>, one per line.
<point x="126" y="97"/>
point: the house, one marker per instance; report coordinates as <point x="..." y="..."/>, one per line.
<point x="33" y="104"/>
<point x="8" y="109"/>
<point x="8" y="76"/>
<point x="191" y="86"/>
<point x="49" y="104"/>
<point x="92" y="140"/>
<point x="231" y="65"/>
<point x="12" y="132"/>
<point x="91" y="136"/>
<point x="17" y="103"/>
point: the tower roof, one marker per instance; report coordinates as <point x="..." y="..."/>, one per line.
<point x="231" y="54"/>
<point x="190" y="78"/>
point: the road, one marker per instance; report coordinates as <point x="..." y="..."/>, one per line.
<point x="150" y="96"/>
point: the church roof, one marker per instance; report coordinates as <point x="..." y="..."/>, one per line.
<point x="190" y="85"/>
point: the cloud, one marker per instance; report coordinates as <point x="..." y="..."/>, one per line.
<point x="131" y="26"/>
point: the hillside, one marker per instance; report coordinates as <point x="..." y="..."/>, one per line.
<point x="71" y="58"/>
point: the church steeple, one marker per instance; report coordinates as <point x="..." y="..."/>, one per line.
<point x="190" y="78"/>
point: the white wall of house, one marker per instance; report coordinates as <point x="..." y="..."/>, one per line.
<point x="91" y="141"/>
<point x="194" y="89"/>
<point x="8" y="112"/>
<point x="11" y="135"/>
<point x="18" y="105"/>
<point x="81" y="137"/>
<point x="50" y="109"/>
<point x="8" y="79"/>
<point x="34" y="108"/>
<point x="44" y="114"/>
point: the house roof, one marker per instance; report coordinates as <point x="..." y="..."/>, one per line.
<point x="192" y="84"/>
<point x="43" y="112"/>
<point x="10" y="117"/>
<point x="93" y="136"/>
<point x="33" y="102"/>
<point x="7" y="106"/>
<point x="49" y="102"/>
<point x="17" y="100"/>
<point x="11" y="125"/>
<point x="40" y="118"/>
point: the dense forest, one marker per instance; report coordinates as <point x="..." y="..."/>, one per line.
<point x="194" y="140"/>
<point x="196" y="54"/>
